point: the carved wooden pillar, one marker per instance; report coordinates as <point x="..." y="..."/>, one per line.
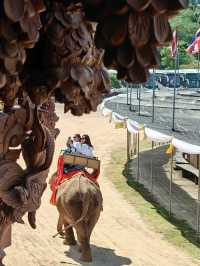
<point x="21" y="132"/>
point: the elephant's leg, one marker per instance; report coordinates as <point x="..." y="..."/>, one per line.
<point x="88" y="228"/>
<point x="60" y="225"/>
<point x="84" y="240"/>
<point x="92" y="221"/>
<point x="69" y="237"/>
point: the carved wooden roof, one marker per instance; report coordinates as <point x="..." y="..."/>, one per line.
<point x="51" y="47"/>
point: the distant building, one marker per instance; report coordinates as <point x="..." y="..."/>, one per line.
<point x="195" y="2"/>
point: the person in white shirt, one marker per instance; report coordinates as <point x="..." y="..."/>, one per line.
<point x="77" y="142"/>
<point x="86" y="146"/>
<point x="69" y="145"/>
<point x="81" y="145"/>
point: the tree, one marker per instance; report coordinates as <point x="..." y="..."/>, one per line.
<point x="115" y="83"/>
<point x="186" y="24"/>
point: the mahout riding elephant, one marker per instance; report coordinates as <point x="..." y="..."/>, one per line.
<point x="79" y="203"/>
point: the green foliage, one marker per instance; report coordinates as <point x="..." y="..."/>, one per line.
<point x="186" y="24"/>
<point x="114" y="81"/>
<point x="166" y="60"/>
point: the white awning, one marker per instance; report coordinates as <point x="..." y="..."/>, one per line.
<point x="132" y="126"/>
<point x="156" y="136"/>
<point x="185" y="147"/>
<point x="117" y="118"/>
<point x="106" y="112"/>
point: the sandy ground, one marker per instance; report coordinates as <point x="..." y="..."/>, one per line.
<point x="120" y="237"/>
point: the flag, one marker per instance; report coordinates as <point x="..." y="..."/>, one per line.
<point x="194" y="45"/>
<point x="174" y="44"/>
<point x="197" y="34"/>
<point x="119" y="125"/>
<point x="170" y="149"/>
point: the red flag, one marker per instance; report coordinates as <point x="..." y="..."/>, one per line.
<point x="194" y="47"/>
<point x="174" y="44"/>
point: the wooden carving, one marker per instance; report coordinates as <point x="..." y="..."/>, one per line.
<point x="21" y="190"/>
<point x="48" y="117"/>
<point x="56" y="49"/>
<point x="36" y="146"/>
<point x="135" y="28"/>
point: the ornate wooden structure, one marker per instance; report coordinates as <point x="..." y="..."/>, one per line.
<point x="56" y="48"/>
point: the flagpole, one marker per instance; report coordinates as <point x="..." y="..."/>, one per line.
<point x="198" y="68"/>
<point x="153" y="97"/>
<point x="174" y="96"/>
<point x="170" y="184"/>
<point x="194" y="48"/>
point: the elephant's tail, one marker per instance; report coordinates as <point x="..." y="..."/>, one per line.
<point x="85" y="207"/>
<point x="85" y="204"/>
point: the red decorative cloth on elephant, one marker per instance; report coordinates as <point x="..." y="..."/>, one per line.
<point x="62" y="177"/>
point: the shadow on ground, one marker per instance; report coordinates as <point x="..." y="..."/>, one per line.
<point x="179" y="195"/>
<point x="101" y="257"/>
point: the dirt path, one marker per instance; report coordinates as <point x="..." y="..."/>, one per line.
<point x="120" y="237"/>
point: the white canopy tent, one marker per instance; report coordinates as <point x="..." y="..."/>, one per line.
<point x="156" y="136"/>
<point x="185" y="147"/>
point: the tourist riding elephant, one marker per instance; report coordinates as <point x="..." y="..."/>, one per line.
<point x="79" y="202"/>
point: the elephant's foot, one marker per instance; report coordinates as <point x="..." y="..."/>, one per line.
<point x="86" y="256"/>
<point x="86" y="253"/>
<point x="69" y="242"/>
<point x="69" y="237"/>
<point x="60" y="225"/>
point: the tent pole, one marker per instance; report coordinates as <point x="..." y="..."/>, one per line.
<point x="128" y="146"/>
<point x="130" y="107"/>
<point x="170" y="187"/>
<point x="152" y="147"/>
<point x="139" y="100"/>
<point x="133" y="144"/>
<point x="153" y="97"/>
<point x="198" y="203"/>
<point x="138" y="156"/>
<point x="127" y="94"/>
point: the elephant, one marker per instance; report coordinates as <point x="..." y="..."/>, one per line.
<point x="79" y="202"/>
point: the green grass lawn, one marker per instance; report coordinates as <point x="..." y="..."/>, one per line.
<point x="174" y="231"/>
